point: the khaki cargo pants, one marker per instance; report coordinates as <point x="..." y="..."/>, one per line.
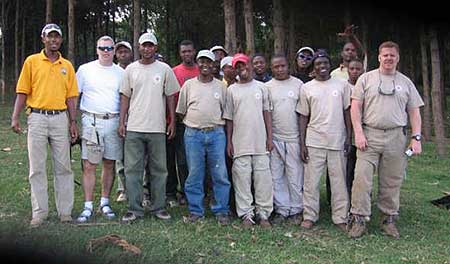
<point x="385" y="156"/>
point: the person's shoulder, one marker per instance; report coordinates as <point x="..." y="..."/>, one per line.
<point x="178" y="67"/>
<point x="162" y="65"/>
<point x="117" y="68"/>
<point x="295" y="80"/>
<point x="132" y="66"/>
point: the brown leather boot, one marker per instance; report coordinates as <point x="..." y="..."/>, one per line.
<point x="388" y="226"/>
<point x="358" y="226"/>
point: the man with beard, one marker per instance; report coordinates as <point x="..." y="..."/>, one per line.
<point x="325" y="131"/>
<point x="148" y="85"/>
<point x="201" y="104"/>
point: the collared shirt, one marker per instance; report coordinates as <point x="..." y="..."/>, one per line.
<point x="386" y="111"/>
<point x="47" y="84"/>
<point x="340" y="72"/>
<point x="265" y="78"/>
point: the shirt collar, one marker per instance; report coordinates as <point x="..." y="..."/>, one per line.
<point x="45" y="58"/>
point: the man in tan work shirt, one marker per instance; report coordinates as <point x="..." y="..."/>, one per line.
<point x="325" y="132"/>
<point x="382" y="100"/>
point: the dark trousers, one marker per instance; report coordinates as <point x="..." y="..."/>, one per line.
<point x="176" y="163"/>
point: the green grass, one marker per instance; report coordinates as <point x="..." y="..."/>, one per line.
<point x="425" y="229"/>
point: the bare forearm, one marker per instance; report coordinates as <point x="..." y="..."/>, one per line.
<point x="124" y="105"/>
<point x="229" y="127"/>
<point x="355" y="113"/>
<point x="348" y="125"/>
<point x="268" y="122"/>
<point x="19" y="105"/>
<point x="415" y="120"/>
<point x="72" y="108"/>
<point x="303" y="122"/>
<point x="170" y="100"/>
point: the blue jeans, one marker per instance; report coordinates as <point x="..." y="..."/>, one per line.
<point x="202" y="146"/>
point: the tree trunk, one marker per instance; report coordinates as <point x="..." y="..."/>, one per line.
<point x="426" y="86"/>
<point x="49" y="11"/>
<point x="229" y="11"/>
<point x="71" y="33"/>
<point x="436" y="95"/>
<point x="16" y="42"/>
<point x="249" y="31"/>
<point x="291" y="37"/>
<point x="278" y="29"/>
<point x="3" y="71"/>
<point x="136" y="27"/>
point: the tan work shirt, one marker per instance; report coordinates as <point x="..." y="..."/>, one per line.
<point x="202" y="104"/>
<point x="245" y="105"/>
<point x="386" y="111"/>
<point x="147" y="87"/>
<point x="324" y="102"/>
<point x="284" y="96"/>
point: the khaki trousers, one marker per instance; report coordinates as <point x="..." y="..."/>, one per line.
<point x="243" y="169"/>
<point x="53" y="130"/>
<point x="384" y="156"/>
<point x="334" y="161"/>
<point x="287" y="175"/>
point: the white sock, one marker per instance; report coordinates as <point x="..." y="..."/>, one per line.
<point x="89" y="204"/>
<point x="104" y="201"/>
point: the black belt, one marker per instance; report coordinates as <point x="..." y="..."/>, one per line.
<point x="47" y="112"/>
<point x="101" y="116"/>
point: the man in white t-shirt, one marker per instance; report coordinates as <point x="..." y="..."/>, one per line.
<point x="98" y="84"/>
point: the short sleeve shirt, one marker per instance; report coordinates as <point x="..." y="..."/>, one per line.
<point x="202" y="104"/>
<point x="99" y="86"/>
<point x="47" y="84"/>
<point x="284" y="96"/>
<point x="147" y="86"/>
<point x="244" y="106"/>
<point x="386" y="111"/>
<point x="324" y="102"/>
<point x="340" y="72"/>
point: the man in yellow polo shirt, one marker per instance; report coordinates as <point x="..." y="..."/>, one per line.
<point x="48" y="87"/>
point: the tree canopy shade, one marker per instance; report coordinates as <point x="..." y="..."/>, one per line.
<point x="265" y="26"/>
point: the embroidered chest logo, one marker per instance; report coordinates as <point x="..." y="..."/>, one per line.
<point x="291" y="93"/>
<point x="335" y="93"/>
<point x="217" y="95"/>
<point x="157" y="79"/>
<point x="257" y="96"/>
<point x="398" y="88"/>
<point x="63" y="71"/>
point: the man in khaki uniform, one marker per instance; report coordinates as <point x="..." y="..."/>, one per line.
<point x="382" y="100"/>
<point x="249" y="139"/>
<point x="325" y="131"/>
<point x="201" y="103"/>
<point x="285" y="163"/>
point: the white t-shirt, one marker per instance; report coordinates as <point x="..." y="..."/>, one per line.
<point x="100" y="87"/>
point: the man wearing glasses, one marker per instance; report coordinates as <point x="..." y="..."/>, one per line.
<point x="382" y="101"/>
<point x="303" y="65"/>
<point x="98" y="84"/>
<point x="48" y="87"/>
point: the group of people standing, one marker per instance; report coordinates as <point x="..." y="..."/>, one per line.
<point x="267" y="137"/>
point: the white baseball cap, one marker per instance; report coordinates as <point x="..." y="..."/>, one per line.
<point x="50" y="28"/>
<point x="219" y="48"/>
<point x="307" y="49"/>
<point x="226" y="61"/>
<point x="148" y="37"/>
<point x="126" y="44"/>
<point x="206" y="54"/>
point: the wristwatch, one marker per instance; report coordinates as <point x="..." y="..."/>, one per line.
<point x="417" y="137"/>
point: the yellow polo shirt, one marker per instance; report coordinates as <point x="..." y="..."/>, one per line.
<point x="46" y="84"/>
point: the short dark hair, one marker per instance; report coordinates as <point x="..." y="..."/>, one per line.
<point x="356" y="60"/>
<point x="186" y="42"/>
<point x="388" y="44"/>
<point x="258" y="55"/>
<point x="279" y="56"/>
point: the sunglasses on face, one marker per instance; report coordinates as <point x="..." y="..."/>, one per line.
<point x="305" y="57"/>
<point x="105" y="48"/>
